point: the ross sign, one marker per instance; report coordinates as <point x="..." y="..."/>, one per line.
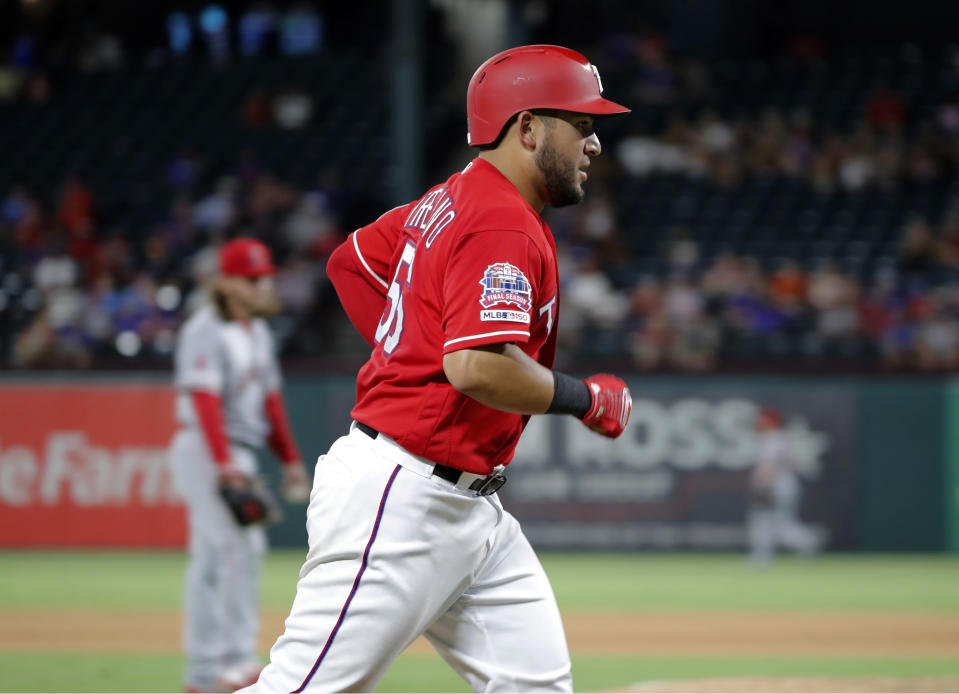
<point x="677" y="478"/>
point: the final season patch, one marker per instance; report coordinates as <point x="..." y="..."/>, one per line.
<point x="505" y="284"/>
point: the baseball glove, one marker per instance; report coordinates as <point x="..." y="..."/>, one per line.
<point x="250" y="502"/>
<point x="761" y="497"/>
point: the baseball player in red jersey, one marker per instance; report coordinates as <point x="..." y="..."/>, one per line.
<point x="458" y="294"/>
<point x="228" y="405"/>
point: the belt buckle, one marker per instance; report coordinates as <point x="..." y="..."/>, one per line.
<point x="489" y="485"/>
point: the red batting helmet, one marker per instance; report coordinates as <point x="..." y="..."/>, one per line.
<point x="247" y="258"/>
<point x="529" y="77"/>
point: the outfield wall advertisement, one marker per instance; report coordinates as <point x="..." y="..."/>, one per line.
<point x="86" y="465"/>
<point x="678" y="477"/>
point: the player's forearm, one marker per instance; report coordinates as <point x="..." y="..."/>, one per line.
<point x="209" y="414"/>
<point x="501" y="376"/>
<point x="280" y="438"/>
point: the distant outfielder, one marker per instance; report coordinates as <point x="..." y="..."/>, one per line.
<point x="228" y="404"/>
<point x="459" y="294"/>
<point x="775" y="492"/>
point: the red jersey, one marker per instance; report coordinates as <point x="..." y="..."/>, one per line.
<point x="470" y="263"/>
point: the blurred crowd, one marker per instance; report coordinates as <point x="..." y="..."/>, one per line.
<point x="887" y="299"/>
<point x="75" y="292"/>
<point x="735" y="311"/>
<point x="848" y="139"/>
<point x="77" y="289"/>
<point x="70" y="40"/>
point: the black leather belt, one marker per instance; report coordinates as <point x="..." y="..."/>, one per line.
<point x="483" y="486"/>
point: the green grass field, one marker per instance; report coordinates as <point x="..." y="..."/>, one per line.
<point x="637" y="583"/>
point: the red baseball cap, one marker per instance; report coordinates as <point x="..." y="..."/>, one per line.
<point x="769" y="418"/>
<point x="247" y="258"/>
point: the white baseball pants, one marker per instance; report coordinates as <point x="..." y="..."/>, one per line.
<point x="395" y="553"/>
<point x="222" y="586"/>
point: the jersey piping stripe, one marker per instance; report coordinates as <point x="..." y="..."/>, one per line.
<point x="368" y="268"/>
<point x="474" y="337"/>
<point x="356" y="583"/>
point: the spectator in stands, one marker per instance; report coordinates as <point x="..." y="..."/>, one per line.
<point x="591" y="295"/>
<point x="798" y="148"/>
<point x="937" y="341"/>
<point x="11" y="82"/>
<point x="834" y="299"/>
<point x="311" y="228"/>
<point x="15" y="206"/>
<point x="885" y="108"/>
<point x="301" y="30"/>
<point x="267" y="203"/>
<point x="681" y="252"/>
<point x="857" y="166"/>
<point x="257" y="28"/>
<point x="650" y="344"/>
<point x="217" y="211"/>
<point x="917" y="247"/>
<point x="292" y="108"/>
<point x="787" y="287"/>
<point x="656" y="82"/>
<point x="947" y="251"/>
<point x="214" y="23"/>
<point x="256" y="110"/>
<point x="184" y="170"/>
<point x="924" y="162"/>
<point x="101" y="51"/>
<point x="75" y="211"/>
<point x="713" y="133"/>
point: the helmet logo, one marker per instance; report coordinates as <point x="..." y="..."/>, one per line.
<point x="596" y="75"/>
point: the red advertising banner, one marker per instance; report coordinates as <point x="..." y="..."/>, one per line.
<point x="86" y="466"/>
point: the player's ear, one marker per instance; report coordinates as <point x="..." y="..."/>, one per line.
<point x="526" y="129"/>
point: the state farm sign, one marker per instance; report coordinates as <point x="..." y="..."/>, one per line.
<point x="86" y="466"/>
<point x="72" y="469"/>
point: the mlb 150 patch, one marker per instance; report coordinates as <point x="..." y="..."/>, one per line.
<point x="510" y="316"/>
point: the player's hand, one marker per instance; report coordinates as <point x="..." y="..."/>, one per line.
<point x="295" y="484"/>
<point x="611" y="405"/>
<point x="229" y="476"/>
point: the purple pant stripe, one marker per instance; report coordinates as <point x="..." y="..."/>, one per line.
<point x="356" y="583"/>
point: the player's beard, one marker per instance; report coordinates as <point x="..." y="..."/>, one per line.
<point x="561" y="176"/>
<point x="266" y="307"/>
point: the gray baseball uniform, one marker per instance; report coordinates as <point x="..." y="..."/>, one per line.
<point x="235" y="361"/>
<point x="774" y="513"/>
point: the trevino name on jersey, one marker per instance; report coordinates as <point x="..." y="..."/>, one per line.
<point x="233" y="360"/>
<point x="471" y="263"/>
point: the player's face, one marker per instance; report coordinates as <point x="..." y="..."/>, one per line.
<point x="264" y="301"/>
<point x="255" y="296"/>
<point x="568" y="145"/>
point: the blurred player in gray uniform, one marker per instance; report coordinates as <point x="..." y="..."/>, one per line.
<point x="228" y="404"/>
<point x="775" y="492"/>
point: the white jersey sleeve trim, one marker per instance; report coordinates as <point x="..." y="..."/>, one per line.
<point x="475" y="337"/>
<point x="368" y="268"/>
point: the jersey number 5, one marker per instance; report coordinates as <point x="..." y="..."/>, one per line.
<point x="390" y="329"/>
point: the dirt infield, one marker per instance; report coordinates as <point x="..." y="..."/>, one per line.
<point x="807" y="684"/>
<point x="851" y="634"/>
<point x="642" y="634"/>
